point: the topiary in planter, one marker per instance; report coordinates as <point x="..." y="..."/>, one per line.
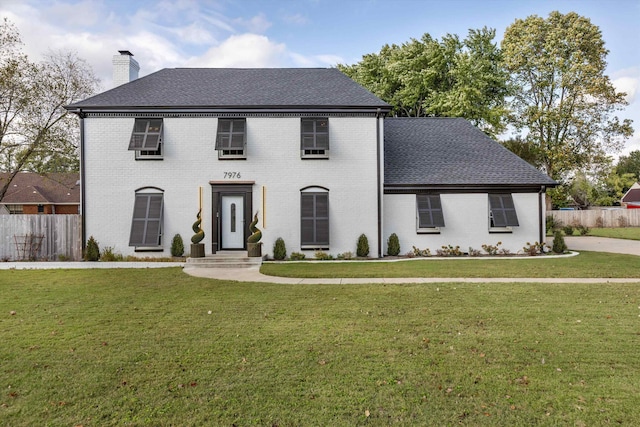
<point x="279" y="249"/>
<point x="197" y="238"/>
<point x="363" y="246"/>
<point x="393" y="245"/>
<point x="177" y="246"/>
<point x="92" y="252"/>
<point x="256" y="234"/>
<point x="254" y="248"/>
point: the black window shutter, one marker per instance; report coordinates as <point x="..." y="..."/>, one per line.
<point x="146" y="225"/>
<point x="231" y="134"/>
<point x="314" y="134"/>
<point x="314" y="212"/>
<point x="503" y="211"/>
<point x="146" y="134"/>
<point x="430" y="213"/>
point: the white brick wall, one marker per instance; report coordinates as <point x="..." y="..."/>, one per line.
<point x="466" y="219"/>
<point x="273" y="162"/>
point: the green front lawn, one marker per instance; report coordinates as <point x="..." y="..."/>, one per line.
<point x="587" y="264"/>
<point x="631" y="233"/>
<point x="139" y="347"/>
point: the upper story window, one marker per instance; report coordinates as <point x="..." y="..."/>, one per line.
<point x="502" y="213"/>
<point x="146" y="139"/>
<point x="231" y="140"/>
<point x="314" y="139"/>
<point x="430" y="216"/>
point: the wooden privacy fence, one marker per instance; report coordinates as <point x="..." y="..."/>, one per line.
<point x="40" y="237"/>
<point x="599" y="217"/>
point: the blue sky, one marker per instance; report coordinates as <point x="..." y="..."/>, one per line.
<point x="303" y="33"/>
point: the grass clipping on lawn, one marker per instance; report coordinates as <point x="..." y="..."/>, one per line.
<point x="157" y="347"/>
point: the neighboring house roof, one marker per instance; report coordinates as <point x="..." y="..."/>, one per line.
<point x="50" y="189"/>
<point x="236" y="88"/>
<point x="450" y="152"/>
<point x="632" y="195"/>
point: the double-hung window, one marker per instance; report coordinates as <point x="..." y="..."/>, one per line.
<point x="231" y="140"/>
<point x="502" y="213"/>
<point x="314" y="219"/>
<point x="146" y="225"/>
<point x="429" y="213"/>
<point x="146" y="139"/>
<point x="314" y="138"/>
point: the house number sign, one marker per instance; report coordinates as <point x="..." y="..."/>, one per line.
<point x="232" y="175"/>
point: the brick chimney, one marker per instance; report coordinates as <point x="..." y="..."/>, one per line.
<point x="125" y="68"/>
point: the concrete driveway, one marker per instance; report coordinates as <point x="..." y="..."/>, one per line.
<point x="601" y="244"/>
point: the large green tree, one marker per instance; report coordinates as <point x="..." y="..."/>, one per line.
<point x="449" y="77"/>
<point x="563" y="104"/>
<point x="36" y="132"/>
<point x="629" y="164"/>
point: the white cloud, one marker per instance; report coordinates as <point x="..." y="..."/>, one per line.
<point x="300" y="60"/>
<point x="330" y="60"/>
<point x="243" y="51"/>
<point x="629" y="85"/>
<point x="632" y="144"/>
<point x="296" y="19"/>
<point x="81" y="14"/>
<point x="257" y="24"/>
<point x="167" y="33"/>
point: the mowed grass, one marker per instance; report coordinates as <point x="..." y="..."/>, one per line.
<point x="138" y="347"/>
<point x="584" y="265"/>
<point x="631" y="233"/>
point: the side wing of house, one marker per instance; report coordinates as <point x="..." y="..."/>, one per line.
<point x="446" y="183"/>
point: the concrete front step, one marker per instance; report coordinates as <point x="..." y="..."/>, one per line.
<point x="225" y="259"/>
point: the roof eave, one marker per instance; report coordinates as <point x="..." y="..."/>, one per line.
<point x="466" y="188"/>
<point x="229" y="109"/>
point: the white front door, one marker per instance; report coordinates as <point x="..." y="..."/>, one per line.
<point x="232" y="222"/>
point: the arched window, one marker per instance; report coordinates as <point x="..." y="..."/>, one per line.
<point x="314" y="217"/>
<point x="146" y="225"/>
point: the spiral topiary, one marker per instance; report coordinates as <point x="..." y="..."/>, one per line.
<point x="197" y="238"/>
<point x="256" y="234"/>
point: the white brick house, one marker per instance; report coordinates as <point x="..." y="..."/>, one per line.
<point x="305" y="148"/>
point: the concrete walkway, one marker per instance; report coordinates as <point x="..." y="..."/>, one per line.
<point x="599" y="244"/>
<point x="252" y="274"/>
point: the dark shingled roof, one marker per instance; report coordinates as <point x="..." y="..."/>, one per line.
<point x="53" y="188"/>
<point x="238" y="88"/>
<point x="632" y="196"/>
<point x="436" y="152"/>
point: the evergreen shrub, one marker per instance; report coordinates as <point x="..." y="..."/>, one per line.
<point x="393" y="245"/>
<point x="363" y="246"/>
